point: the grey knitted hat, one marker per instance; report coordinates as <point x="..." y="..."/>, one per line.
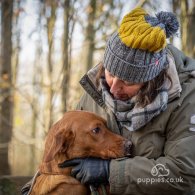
<point x="137" y="52"/>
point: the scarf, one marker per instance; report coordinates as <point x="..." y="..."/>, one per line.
<point x="128" y="113"/>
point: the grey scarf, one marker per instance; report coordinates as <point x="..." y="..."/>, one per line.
<point x="128" y="113"/>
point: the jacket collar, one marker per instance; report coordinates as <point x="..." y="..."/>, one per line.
<point x="88" y="82"/>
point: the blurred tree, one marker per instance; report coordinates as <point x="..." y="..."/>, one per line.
<point x="37" y="80"/>
<point x="102" y="19"/>
<point x="184" y="23"/>
<point x="65" y="55"/>
<point x="185" y="10"/>
<point x="188" y="30"/>
<point x="190" y="40"/>
<point x="67" y="8"/>
<point x="70" y="19"/>
<point x="90" y="33"/>
<point x="17" y="37"/>
<point x="6" y="101"/>
<point x="50" y="13"/>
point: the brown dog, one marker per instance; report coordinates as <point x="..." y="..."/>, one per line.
<point x="77" y="134"/>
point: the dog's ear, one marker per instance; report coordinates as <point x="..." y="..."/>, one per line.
<point x="57" y="142"/>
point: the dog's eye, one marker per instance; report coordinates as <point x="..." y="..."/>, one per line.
<point x="96" y="130"/>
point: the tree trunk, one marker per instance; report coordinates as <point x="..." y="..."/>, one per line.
<point x="65" y="56"/>
<point x="190" y="33"/>
<point x="184" y="24"/>
<point x="176" y="7"/>
<point x="6" y="103"/>
<point x="90" y="34"/>
<point x="16" y="50"/>
<point x="50" y="30"/>
<point x="187" y="27"/>
<point x="37" y="77"/>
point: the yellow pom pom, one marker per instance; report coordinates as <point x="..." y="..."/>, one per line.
<point x="137" y="33"/>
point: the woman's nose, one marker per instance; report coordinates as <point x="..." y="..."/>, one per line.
<point x="116" y="85"/>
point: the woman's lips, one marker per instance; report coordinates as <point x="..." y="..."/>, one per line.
<point x="121" y="96"/>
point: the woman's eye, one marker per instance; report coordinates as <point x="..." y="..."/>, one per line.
<point x="127" y="83"/>
<point x="96" y="130"/>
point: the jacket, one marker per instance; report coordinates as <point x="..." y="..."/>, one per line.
<point x="164" y="149"/>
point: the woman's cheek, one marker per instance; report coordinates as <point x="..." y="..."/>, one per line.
<point x="131" y="91"/>
<point x="109" y="82"/>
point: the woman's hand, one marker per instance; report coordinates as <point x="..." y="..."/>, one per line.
<point x="93" y="171"/>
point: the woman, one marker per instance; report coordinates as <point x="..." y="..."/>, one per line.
<point x="145" y="89"/>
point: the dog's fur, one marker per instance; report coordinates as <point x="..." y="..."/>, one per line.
<point x="77" y="134"/>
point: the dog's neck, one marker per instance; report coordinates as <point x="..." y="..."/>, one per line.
<point x="52" y="168"/>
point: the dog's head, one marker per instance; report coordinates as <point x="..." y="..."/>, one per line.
<point x="83" y="134"/>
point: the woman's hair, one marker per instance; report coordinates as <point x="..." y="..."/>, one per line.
<point x="149" y="90"/>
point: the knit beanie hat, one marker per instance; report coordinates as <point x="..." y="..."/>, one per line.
<point x="137" y="52"/>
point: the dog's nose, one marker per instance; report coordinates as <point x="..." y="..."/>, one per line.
<point x="128" y="147"/>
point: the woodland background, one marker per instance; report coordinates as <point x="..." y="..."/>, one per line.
<point x="45" y="48"/>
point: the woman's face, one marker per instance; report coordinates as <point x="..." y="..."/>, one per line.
<point x="121" y="90"/>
